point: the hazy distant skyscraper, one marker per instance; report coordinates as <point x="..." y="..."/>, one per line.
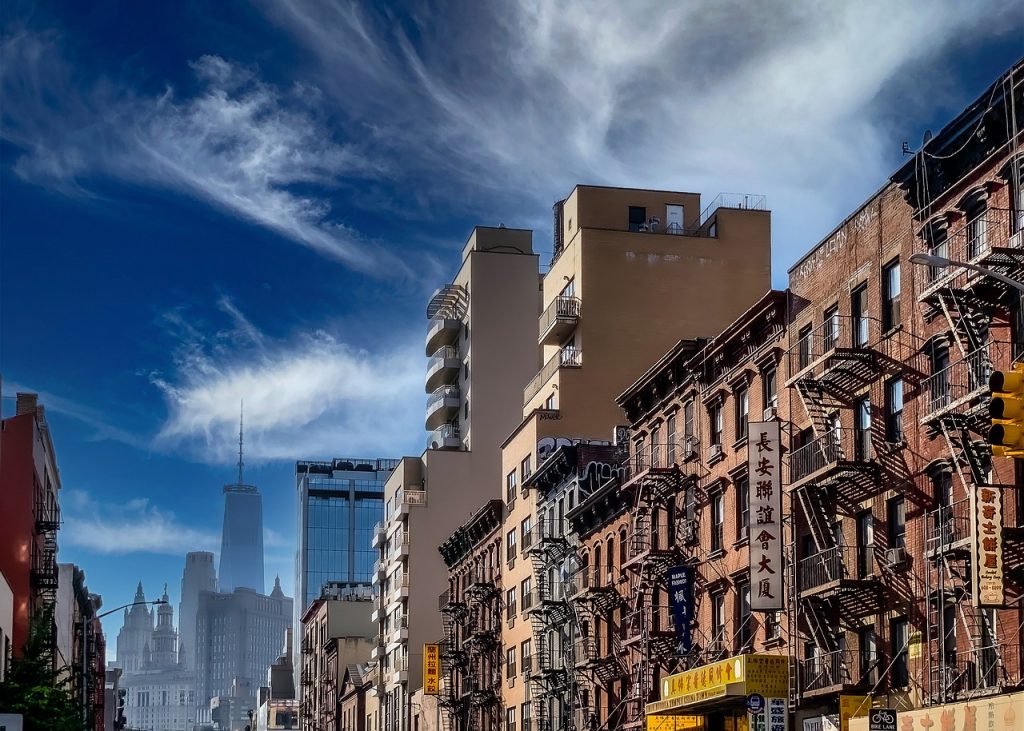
<point x="241" y="543"/>
<point x="241" y="546"/>
<point x="198" y="576"/>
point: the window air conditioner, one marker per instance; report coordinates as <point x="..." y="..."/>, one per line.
<point x="714" y="451"/>
<point x="895" y="556"/>
<point x="772" y="412"/>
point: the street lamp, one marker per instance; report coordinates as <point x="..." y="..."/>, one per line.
<point x="85" y="649"/>
<point x="941" y="261"/>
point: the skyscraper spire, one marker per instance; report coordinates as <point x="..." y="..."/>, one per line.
<point x="241" y="464"/>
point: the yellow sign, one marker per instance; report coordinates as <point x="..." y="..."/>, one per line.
<point x="995" y="713"/>
<point x="675" y="723"/>
<point x="914" y="646"/>
<point x="742" y="675"/>
<point x="852" y="706"/>
<point x="431" y="669"/>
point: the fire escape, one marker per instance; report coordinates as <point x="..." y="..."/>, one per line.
<point x="43" y="574"/>
<point x="553" y="677"/>
<point x="965" y="654"/>
<point x="831" y="473"/>
<point x="479" y="693"/>
<point x="654" y="479"/>
<point x="454" y="662"/>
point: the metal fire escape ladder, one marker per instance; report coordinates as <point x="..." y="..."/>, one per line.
<point x="967" y="322"/>
<point x="818" y="404"/>
<point x="962" y="448"/>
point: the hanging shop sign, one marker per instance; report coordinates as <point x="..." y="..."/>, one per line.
<point x="680" y="587"/>
<point x="764" y="470"/>
<point x="988" y="547"/>
<point x="431" y="669"/>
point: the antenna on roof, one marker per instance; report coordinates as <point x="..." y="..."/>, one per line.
<point x="241" y="464"/>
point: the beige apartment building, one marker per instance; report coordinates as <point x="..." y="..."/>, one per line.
<point x="633" y="271"/>
<point x="481" y="342"/>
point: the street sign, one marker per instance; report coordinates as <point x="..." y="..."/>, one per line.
<point x="755" y="702"/>
<point x="882" y="719"/>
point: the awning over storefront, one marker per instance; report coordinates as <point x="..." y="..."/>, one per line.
<point x="998" y="712"/>
<point x="723" y="681"/>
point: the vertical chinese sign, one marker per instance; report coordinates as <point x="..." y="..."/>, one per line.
<point x="764" y="469"/>
<point x="431" y="669"/>
<point x="988" y="547"/>
<point x="680" y="588"/>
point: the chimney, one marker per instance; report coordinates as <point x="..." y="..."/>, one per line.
<point x="27" y="403"/>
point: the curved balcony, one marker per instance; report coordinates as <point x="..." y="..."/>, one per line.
<point x="443" y="330"/>
<point x="445" y="436"/>
<point x="442" y="405"/>
<point x="443" y="367"/>
<point x="558" y="320"/>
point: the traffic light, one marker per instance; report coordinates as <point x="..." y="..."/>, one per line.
<point x="1007" y="411"/>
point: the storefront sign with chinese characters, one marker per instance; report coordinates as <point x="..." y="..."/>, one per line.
<point x="988" y="547"/>
<point x="764" y="470"/>
<point x="680" y="589"/>
<point x="431" y="669"/>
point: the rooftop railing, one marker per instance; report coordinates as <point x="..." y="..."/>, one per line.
<point x="564" y="358"/>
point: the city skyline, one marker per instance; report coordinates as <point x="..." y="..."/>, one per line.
<point x="143" y="419"/>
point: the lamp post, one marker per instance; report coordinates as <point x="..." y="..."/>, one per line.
<point x="85" y="650"/>
<point x="941" y="261"/>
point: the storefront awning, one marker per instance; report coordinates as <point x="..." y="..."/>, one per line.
<point x="722" y="682"/>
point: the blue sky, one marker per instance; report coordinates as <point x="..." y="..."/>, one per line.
<point x="208" y="202"/>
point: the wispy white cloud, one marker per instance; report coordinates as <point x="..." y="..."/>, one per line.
<point x="256" y="151"/>
<point x="135" y="526"/>
<point x="521" y="100"/>
<point x="311" y="396"/>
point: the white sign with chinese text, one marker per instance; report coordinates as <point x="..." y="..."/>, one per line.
<point x="988" y="546"/>
<point x="764" y="470"/>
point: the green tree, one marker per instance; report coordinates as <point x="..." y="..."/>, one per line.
<point x="38" y="690"/>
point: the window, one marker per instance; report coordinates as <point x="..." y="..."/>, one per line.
<point x="510" y="663"/>
<point x="525" y="657"/>
<point x="510" y="487"/>
<point x="830" y="329"/>
<point x="526" y="467"/>
<point x="862" y="428"/>
<point x="510" y="719"/>
<point x="867" y="646"/>
<point x="769" y="387"/>
<point x="688" y="421"/>
<point x="894" y="410"/>
<point x="891" y="295"/>
<point x="742" y="507"/>
<point x="938" y="384"/>
<point x="510" y="602"/>
<point x="465" y="409"/>
<point x="549" y="402"/>
<point x="977" y="234"/>
<point x="937" y="239"/>
<point x="510" y="545"/>
<point x="656" y="447"/>
<point x="865" y="544"/>
<point x="526" y="592"/>
<point x="896" y="517"/>
<point x="717" y="521"/>
<point x="744" y="622"/>
<point x="900" y="676"/>
<point x="670" y="439"/>
<point x="1017" y="195"/>
<point x="742" y="406"/>
<point x="772" y="625"/>
<point x="859" y="311"/>
<point x="715" y="421"/>
<point x="526" y="529"/>
<point x="803" y="345"/>
<point x="524" y="714"/>
<point x="718" y="622"/>
<point x="637" y="218"/>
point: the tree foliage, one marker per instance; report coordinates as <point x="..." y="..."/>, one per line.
<point x="36" y="688"/>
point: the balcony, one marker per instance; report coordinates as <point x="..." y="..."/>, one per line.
<point x="442" y="405"/>
<point x="835" y="566"/>
<point x="985" y="241"/>
<point x="445" y="436"/>
<point x="442" y="331"/>
<point x="959" y="385"/>
<point x="841" y="453"/>
<point x="841" y="670"/>
<point x="379" y="535"/>
<point x="843" y="353"/>
<point x="949" y="529"/>
<point x="47" y="517"/>
<point x="44" y="570"/>
<point x="409" y="498"/>
<point x="399" y="670"/>
<point x="564" y="358"/>
<point x="656" y="467"/>
<point x="976" y="671"/>
<point x="380" y="571"/>
<point x="443" y="368"/>
<point x="559" y="320"/>
<point x="399" y="545"/>
<point x="377" y="653"/>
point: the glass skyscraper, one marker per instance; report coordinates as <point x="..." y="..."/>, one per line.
<point x="241" y="549"/>
<point x="340" y="502"/>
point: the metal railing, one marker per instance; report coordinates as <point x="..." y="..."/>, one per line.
<point x="561" y="308"/>
<point x="971" y="242"/>
<point x="590" y="577"/>
<point x="839" y="444"/>
<point x="445" y="352"/>
<point x="959" y="380"/>
<point x="991" y="666"/>
<point x="443" y="433"/>
<point x="949" y="524"/>
<point x="661" y="456"/>
<point x="439" y="395"/>
<point x="837" y="331"/>
<point x="836" y="563"/>
<point x="564" y="358"/>
<point x="842" y="667"/>
<point x="740" y="201"/>
<point x="414" y="497"/>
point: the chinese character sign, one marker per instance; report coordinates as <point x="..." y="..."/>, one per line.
<point x="431" y="669"/>
<point x="988" y="546"/>
<point x="680" y="587"/>
<point x="764" y="470"/>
